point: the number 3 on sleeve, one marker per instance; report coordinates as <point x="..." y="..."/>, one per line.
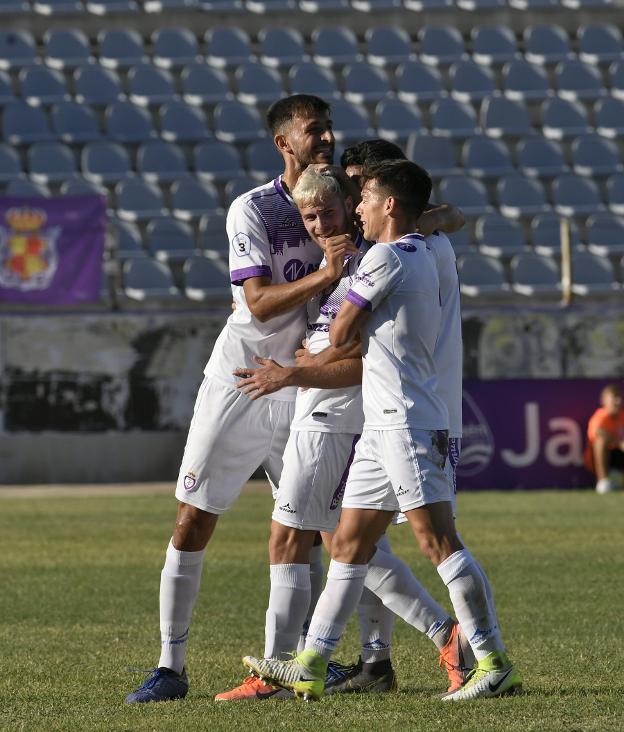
<point x="241" y="244"/>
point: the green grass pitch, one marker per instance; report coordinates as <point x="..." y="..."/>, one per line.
<point x="79" y="607"/>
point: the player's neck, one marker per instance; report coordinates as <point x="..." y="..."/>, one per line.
<point x="394" y="229"/>
<point x="290" y="176"/>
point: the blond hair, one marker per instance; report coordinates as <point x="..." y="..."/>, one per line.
<point x="317" y="183"/>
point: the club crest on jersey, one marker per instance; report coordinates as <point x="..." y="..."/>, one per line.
<point x="190" y="481"/>
<point x="295" y="269"/>
<point x="406" y="246"/>
<point x="241" y="244"/>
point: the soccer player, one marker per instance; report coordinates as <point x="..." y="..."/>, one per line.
<point x="274" y="272"/>
<point x="394" y="305"/>
<point x="604" y="452"/>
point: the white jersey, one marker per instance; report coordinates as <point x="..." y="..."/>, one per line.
<point x="399" y="284"/>
<point x="448" y="353"/>
<point x="330" y="410"/>
<point x="267" y="239"/>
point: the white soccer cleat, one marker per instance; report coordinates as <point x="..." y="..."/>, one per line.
<point x="495" y="675"/>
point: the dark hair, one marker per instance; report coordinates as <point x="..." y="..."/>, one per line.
<point x="297" y="105"/>
<point x="614" y="389"/>
<point x="407" y="182"/>
<point x="371" y="152"/>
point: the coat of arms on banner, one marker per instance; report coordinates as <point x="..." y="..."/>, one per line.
<point x="28" y="253"/>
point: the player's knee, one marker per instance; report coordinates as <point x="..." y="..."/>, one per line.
<point x="349" y="550"/>
<point x="193" y="528"/>
<point x="288" y="545"/>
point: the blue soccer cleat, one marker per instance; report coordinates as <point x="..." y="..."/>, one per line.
<point x="162" y="684"/>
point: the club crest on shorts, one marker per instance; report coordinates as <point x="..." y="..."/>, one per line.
<point x="190" y="481"/>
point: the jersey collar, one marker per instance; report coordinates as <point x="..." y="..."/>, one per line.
<point x="279" y="187"/>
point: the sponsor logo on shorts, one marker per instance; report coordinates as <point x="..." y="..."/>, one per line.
<point x="286" y="508"/>
<point x="401" y="491"/>
<point x="190" y="481"/>
<point x="389" y="411"/>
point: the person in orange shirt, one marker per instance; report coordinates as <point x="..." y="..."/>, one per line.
<point x="604" y="453"/>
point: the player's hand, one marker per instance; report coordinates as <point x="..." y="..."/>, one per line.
<point x="303" y="357"/>
<point x="336" y="249"/>
<point x="267" y="379"/>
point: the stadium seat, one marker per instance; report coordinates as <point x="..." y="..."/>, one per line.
<point x="600" y="44"/>
<point x="546" y="44"/>
<point x="467" y="193"/>
<point x="397" y="120"/>
<point x="450" y="118"/>
<point x="23" y="124"/>
<point x="323" y="6"/>
<point x="105" y="162"/>
<point x="97" y="86"/>
<point x="481" y="5"/>
<point x="416" y="82"/>
<point x="66" y="49"/>
<point x="161" y="162"/>
<point x="216" y="160"/>
<point x="586" y="4"/>
<point x="482" y="277"/>
<point x="205" y="280"/>
<point x="145" y="279"/>
<point x="120" y="49"/>
<point x="50" y="162"/>
<point x="364" y="83"/>
<point x="562" y="118"/>
<point x="493" y="45"/>
<point x="138" y="200"/>
<point x="227" y="47"/>
<point x="375" y="6"/>
<point x="237" y="123"/>
<point x="58" y="7"/>
<point x="150" y="86"/>
<point x="308" y="78"/>
<point x="440" y="45"/>
<point x="470" y="82"/>
<point x="519" y="196"/>
<point x="14" y="7"/>
<point x="212" y="236"/>
<point x="605" y="234"/>
<point x="594" y="156"/>
<point x="615" y="194"/>
<point x="540" y="158"/>
<point x="236" y="187"/>
<point x="17" y="49"/>
<point x="204" y="85"/>
<point x="534" y="4"/>
<point x="534" y="275"/>
<point x="350" y="122"/>
<point x="616" y="79"/>
<point x="6" y="89"/>
<point x="127" y="238"/>
<point x="574" y="195"/>
<point x="191" y="199"/>
<point x="170" y="240"/>
<point x="502" y="117"/>
<point x="435" y="154"/>
<point x="160" y="6"/>
<point x="229" y="6"/>
<point x="498" y="236"/>
<point x="388" y="46"/>
<point x="609" y="117"/>
<point x="174" y="47"/>
<point x="546" y="234"/>
<point x="111" y="7"/>
<point x="127" y="123"/>
<point x="334" y="47"/>
<point x="419" y="6"/>
<point x="10" y="165"/>
<point x="80" y="187"/>
<point x="263" y="160"/>
<point x="525" y="81"/>
<point x="576" y="80"/>
<point x="486" y="158"/>
<point x="256" y="84"/>
<point x="593" y="276"/>
<point x="462" y="241"/>
<point x="25" y="188"/>
<point x="181" y="122"/>
<point x="270" y="6"/>
<point x="42" y="86"/>
<point x="281" y="48"/>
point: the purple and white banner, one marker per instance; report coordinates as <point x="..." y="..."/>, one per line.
<point x="51" y="249"/>
<point x="526" y="433"/>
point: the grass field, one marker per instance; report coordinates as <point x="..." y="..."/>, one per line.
<point x="79" y="607"/>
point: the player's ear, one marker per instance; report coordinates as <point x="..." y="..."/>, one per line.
<point x="282" y="144"/>
<point x="390" y="206"/>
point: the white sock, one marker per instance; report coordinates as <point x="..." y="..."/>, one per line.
<point x="179" y="585"/>
<point x="336" y="604"/>
<point x="288" y="603"/>
<point x="462" y="576"/>
<point x="376" y="625"/>
<point x="393" y="582"/>
<point x="317" y="572"/>
<point x="490" y="601"/>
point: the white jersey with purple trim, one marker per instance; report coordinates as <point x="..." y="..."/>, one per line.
<point x="448" y="353"/>
<point x="330" y="410"/>
<point x="399" y="284"/>
<point x="267" y="239"/>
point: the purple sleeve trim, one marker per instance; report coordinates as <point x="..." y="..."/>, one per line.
<point x="358" y="300"/>
<point x="238" y="276"/>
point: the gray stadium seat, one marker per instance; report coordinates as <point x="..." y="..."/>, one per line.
<point x="50" y="162"/>
<point x="435" y="154"/>
<point x="397" y="120"/>
<point x="23" y="124"/>
<point x="562" y="118"/>
<point x="263" y="160"/>
<point x="416" y="82"/>
<point x="66" y="49"/>
<point x="388" y="46"/>
<point x="605" y="234"/>
<point x="519" y="196"/>
<point x="170" y="240"/>
<point x="364" y="83"/>
<point x="502" y="117"/>
<point x="450" y="118"/>
<point x="576" y="80"/>
<point x="262" y="7"/>
<point x="111" y="7"/>
<point x="546" y="44"/>
<point x="574" y="195"/>
<point x="212" y="235"/>
<point x="525" y="81"/>
<point x="534" y="4"/>
<point x="281" y="48"/>
<point x="586" y="4"/>
<point x="238" y="123"/>
<point x="227" y="47"/>
<point x="128" y="242"/>
<point x="375" y="6"/>
<point x="334" y="47"/>
<point x="150" y="86"/>
<point x="256" y="84"/>
<point x="180" y="122"/>
<point x="138" y="200"/>
<point x="323" y="6"/>
<point x="593" y="276"/>
<point x="462" y="241"/>
<point x="97" y="86"/>
<point x="105" y="162"/>
<point x="470" y="82"/>
<point x="350" y="122"/>
<point x="594" y="156"/>
<point x="600" y="43"/>
<point x="482" y="277"/>
<point x="160" y="6"/>
<point x="615" y="194"/>
<point x="493" y="45"/>
<point x="609" y="117"/>
<point x="128" y="123"/>
<point x="308" y="78"/>
<point x="540" y="158"/>
<point x="205" y="280"/>
<point x="120" y="49"/>
<point x="546" y="234"/>
<point x="6" y="89"/>
<point x="216" y="160"/>
<point x="174" y="47"/>
<point x="616" y="79"/>
<point x="14" y="7"/>
<point x="481" y="5"/>
<point x="498" y="236"/>
<point x="230" y="6"/>
<point x="10" y="165"/>
<point x="486" y="158"/>
<point x="467" y="193"/>
<point x="191" y="199"/>
<point x="58" y="7"/>
<point x="202" y="84"/>
<point x="17" y="49"/>
<point x="42" y="86"/>
<point x="146" y="280"/>
<point x="533" y="275"/>
<point x="419" y="6"/>
<point x="440" y="45"/>
<point x="26" y="188"/>
<point x="80" y="187"/>
<point x="161" y="162"/>
<point x="236" y="187"/>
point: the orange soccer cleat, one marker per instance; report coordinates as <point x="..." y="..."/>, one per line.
<point x="452" y="658"/>
<point x="254" y="689"/>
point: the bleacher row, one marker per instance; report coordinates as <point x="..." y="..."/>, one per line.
<point x="517" y="130"/>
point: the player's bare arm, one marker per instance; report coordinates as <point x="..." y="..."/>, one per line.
<point x="445" y="217"/>
<point x="303" y="357"/>
<point x="345" y="328"/>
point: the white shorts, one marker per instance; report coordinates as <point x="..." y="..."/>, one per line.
<point x="229" y="437"/>
<point x="316" y="465"/>
<point x="398" y="470"/>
